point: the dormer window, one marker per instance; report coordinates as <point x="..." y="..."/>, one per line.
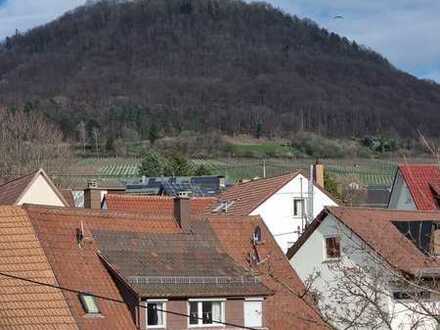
<point x="89" y="304"/>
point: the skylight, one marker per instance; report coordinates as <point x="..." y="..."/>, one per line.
<point x="89" y="303"/>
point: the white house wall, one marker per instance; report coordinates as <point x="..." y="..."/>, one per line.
<point x="401" y="198"/>
<point x="277" y="211"/>
<point x="310" y="261"/>
<point x="41" y="193"/>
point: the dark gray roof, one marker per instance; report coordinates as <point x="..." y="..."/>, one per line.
<point x="186" y="264"/>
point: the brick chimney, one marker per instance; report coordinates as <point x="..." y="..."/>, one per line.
<point x="92" y="196"/>
<point x="182" y="210"/>
<point x="319" y="173"/>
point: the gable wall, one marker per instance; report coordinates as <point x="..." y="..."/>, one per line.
<point x="310" y="261"/>
<point x="401" y="198"/>
<point x="277" y="211"/>
<point x="41" y="193"/>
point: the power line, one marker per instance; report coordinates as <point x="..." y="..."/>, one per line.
<point x="117" y="300"/>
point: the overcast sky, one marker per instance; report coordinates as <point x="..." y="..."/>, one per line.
<point x="407" y="32"/>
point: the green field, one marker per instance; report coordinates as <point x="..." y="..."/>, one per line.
<point x="366" y="171"/>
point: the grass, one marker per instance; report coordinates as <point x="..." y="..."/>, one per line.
<point x="367" y="171"/>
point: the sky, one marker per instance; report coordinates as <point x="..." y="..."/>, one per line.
<point x="407" y="32"/>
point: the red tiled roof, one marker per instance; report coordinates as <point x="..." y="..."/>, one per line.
<point x="376" y="228"/>
<point x="81" y="268"/>
<point x="248" y="196"/>
<point x="159" y="205"/>
<point x="25" y="305"/>
<point x="420" y="179"/>
<point x="283" y="310"/>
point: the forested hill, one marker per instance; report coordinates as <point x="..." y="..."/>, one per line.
<point x="208" y="64"/>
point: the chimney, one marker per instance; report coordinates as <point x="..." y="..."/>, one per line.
<point x="319" y="174"/>
<point x="182" y="210"/>
<point x="92" y="198"/>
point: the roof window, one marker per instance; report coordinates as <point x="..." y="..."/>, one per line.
<point x="89" y="303"/>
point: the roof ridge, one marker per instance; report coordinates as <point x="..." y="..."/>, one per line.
<point x="272" y="177"/>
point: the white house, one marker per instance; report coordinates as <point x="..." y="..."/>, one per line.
<point x="368" y="265"/>
<point x="34" y="188"/>
<point x="416" y="187"/>
<point x="286" y="203"/>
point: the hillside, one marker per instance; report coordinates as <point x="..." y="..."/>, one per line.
<point x="202" y="65"/>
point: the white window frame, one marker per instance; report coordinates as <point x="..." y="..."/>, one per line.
<point x="254" y="299"/>
<point x="164" y="315"/>
<point x="301" y="210"/>
<point x="326" y="258"/>
<point x="200" y="312"/>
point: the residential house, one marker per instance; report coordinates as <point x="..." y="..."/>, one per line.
<point x="249" y="242"/>
<point x="121" y="270"/>
<point x="286" y="203"/>
<point x="378" y="266"/>
<point x="416" y="187"/>
<point x="33" y="188"/>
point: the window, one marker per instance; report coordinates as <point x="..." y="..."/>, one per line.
<point x="206" y="312"/>
<point x="332" y="247"/>
<point x="298" y="207"/>
<point x="253" y="313"/>
<point x="89" y="303"/>
<point x="257" y="235"/>
<point x="154" y="314"/>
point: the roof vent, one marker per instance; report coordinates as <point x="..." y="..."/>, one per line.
<point x="93" y="184"/>
<point x="184" y="194"/>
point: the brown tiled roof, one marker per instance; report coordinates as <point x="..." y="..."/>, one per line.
<point x="421" y="179"/>
<point x="80" y="268"/>
<point x="68" y="196"/>
<point x="375" y="227"/>
<point x="137" y="246"/>
<point x="161" y="264"/>
<point x="283" y="310"/>
<point x="25" y="305"/>
<point x="161" y="205"/>
<point x="248" y="196"/>
<point x="11" y="191"/>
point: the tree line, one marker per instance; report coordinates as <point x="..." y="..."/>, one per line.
<point x="139" y="68"/>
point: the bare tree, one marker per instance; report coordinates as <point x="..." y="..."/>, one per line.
<point x="82" y="134"/>
<point x="28" y="142"/>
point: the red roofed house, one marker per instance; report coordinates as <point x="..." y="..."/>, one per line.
<point x="416" y="187"/>
<point x="33" y="188"/>
<point x="119" y="270"/>
<point x="372" y="266"/>
<point x="286" y="203"/>
<point x="248" y="241"/>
